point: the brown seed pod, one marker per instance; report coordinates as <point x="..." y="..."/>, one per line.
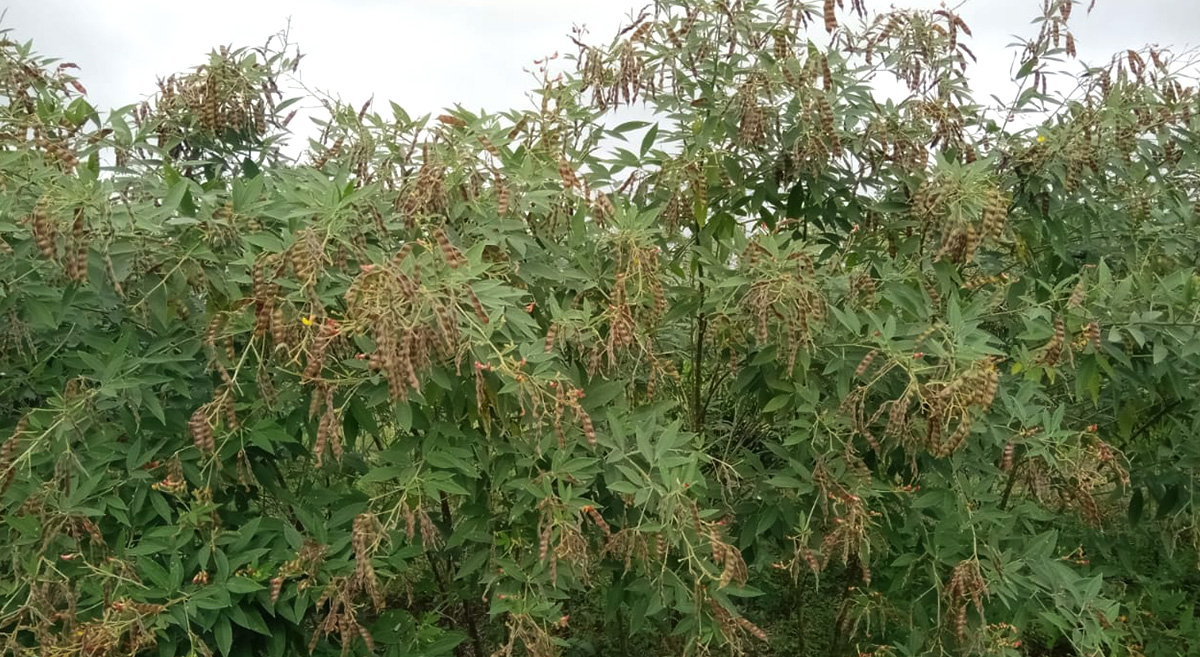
<point x="202" y="432"/>
<point x="544" y="542"/>
<point x="830" y="16"/>
<point x="279" y="328"/>
<point x="453" y="256"/>
<point x="228" y="408"/>
<point x="503" y="198"/>
<point x="488" y="146"/>
<point x="1053" y="349"/>
<point x="1078" y="294"/>
<point x="8" y="455"/>
<point x="585" y="421"/>
<point x="43" y="229"/>
<point x="865" y="363"/>
<point x="1092" y="333"/>
<point x="366" y="636"/>
<point x="476" y="305"/>
<point x="570" y="181"/>
<point x="598" y="519"/>
<point x="1006" y="460"/>
<point x="410" y="522"/>
<point x="276" y="588"/>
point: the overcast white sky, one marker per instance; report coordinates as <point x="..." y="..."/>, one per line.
<point x="429" y="54"/>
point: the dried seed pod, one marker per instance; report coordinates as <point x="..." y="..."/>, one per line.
<point x="865" y="363"/>
<point x="430" y="536"/>
<point x="202" y="432"/>
<point x="570" y="181"/>
<point x="366" y="636"/>
<point x="43" y="229"/>
<point x="830" y="16"/>
<point x="276" y="588"/>
<point x="551" y="334"/>
<point x="453" y="256"/>
<point x="279" y="328"/>
<point x="8" y="456"/>
<point x="1006" y="460"/>
<point x="1092" y="334"/>
<point x="995" y="212"/>
<point x="544" y="542"/>
<point x="585" y="421"/>
<point x="476" y="305"/>
<point x="488" y="146"/>
<point x="503" y="198"/>
<point x="598" y="519"/>
<point x="1078" y="294"/>
<point x="986" y="387"/>
<point x="229" y="409"/>
<point x="1053" y="349"/>
<point x="410" y="522"/>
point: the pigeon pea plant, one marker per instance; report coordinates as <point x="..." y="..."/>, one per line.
<point x="823" y="357"/>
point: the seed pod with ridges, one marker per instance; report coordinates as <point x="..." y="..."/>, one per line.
<point x="276" y="588"/>
<point x="201" y="430"/>
<point x="865" y="363"/>
<point x="1006" y="460"/>
<point x="43" y="230"/>
<point x="559" y="434"/>
<point x="430" y="536"/>
<point x="335" y="444"/>
<point x="598" y="519"/>
<point x="279" y="329"/>
<point x="551" y="334"/>
<point x="77" y="257"/>
<point x="660" y="298"/>
<point x="544" y="542"/>
<point x="8" y="455"/>
<point x="453" y="256"/>
<point x="605" y="210"/>
<point x="1078" y="294"/>
<point x="480" y="313"/>
<point x="1053" y="349"/>
<point x="830" y="17"/>
<point x="1092" y="333"/>
<point x="410" y="522"/>
<point x="933" y="437"/>
<point x="570" y="181"/>
<point x="367" y="638"/>
<point x="229" y="409"/>
<point x="322" y="441"/>
<point x="959" y="436"/>
<point x="481" y="391"/>
<point x="503" y="198"/>
<point x="727" y="571"/>
<point x="970" y="241"/>
<point x="985" y="392"/>
<point x="488" y="146"/>
<point x="585" y="421"/>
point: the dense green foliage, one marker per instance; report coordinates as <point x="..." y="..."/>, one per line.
<point x="795" y="369"/>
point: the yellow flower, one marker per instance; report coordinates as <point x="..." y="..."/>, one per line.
<point x="1041" y="139"/>
<point x="306" y="321"/>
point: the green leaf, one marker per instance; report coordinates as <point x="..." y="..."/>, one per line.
<point x="648" y="140"/>
<point x="243" y="585"/>
<point x="778" y="403"/>
<point x="223" y="633"/>
<point x="1027" y="67"/>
